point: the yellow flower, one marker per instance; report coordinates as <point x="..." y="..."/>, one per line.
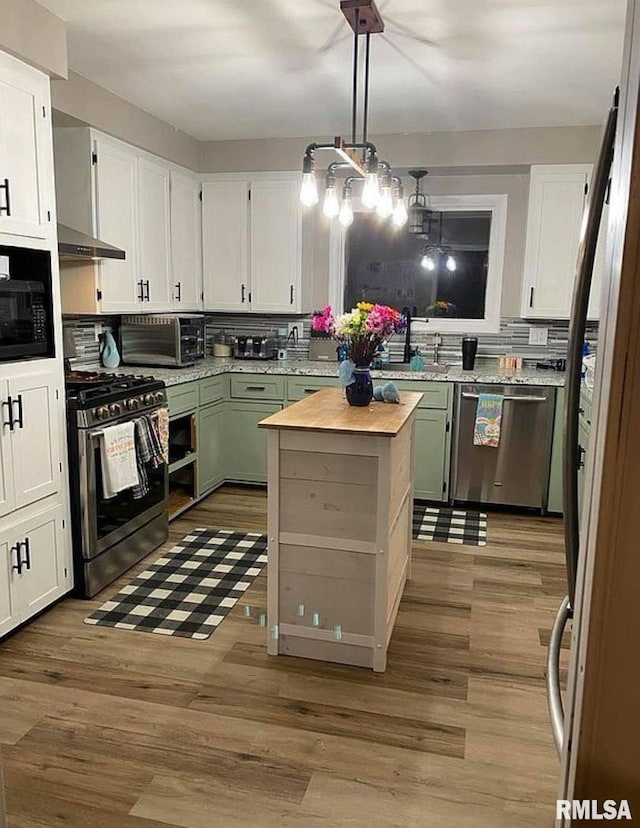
<point x="364" y="306"/>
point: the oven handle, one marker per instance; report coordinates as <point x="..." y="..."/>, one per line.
<point x="512" y="398"/>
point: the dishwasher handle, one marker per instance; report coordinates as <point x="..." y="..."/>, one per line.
<point x="528" y="399"/>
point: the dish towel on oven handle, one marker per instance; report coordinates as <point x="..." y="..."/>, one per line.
<point x="149" y="452"/>
<point x="118" y="459"/>
<point x="488" y="423"/>
<point x="161" y="417"/>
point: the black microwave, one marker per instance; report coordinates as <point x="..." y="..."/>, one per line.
<point x="26" y="307"/>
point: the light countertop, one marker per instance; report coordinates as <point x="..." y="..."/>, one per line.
<point x="486" y="372"/>
<point x="328" y="411"/>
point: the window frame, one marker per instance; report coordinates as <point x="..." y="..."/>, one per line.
<point x="496" y="204"/>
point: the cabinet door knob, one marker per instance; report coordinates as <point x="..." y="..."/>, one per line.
<point x="9" y="403"/>
<point x="243" y="292"/>
<point x="291" y="295"/>
<point x="18" y="420"/>
<point x="178" y="287"/>
<point x="27" y="551"/>
<point x="7" y="197"/>
<point x="18" y="565"/>
<point x="140" y="291"/>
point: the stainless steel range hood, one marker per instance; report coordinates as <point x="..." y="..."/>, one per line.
<point x="74" y="245"/>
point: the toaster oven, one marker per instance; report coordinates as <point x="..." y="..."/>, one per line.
<point x="162" y="339"/>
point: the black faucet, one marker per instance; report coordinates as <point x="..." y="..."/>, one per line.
<point x="406" y="311"/>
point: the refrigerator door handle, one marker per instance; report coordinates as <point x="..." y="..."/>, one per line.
<point x="554" y="695"/>
<point x="577" y="327"/>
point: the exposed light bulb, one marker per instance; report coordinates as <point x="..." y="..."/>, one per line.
<point x="331" y="206"/>
<point x="450" y="264"/>
<point x="346" y="213"/>
<point x="385" y="203"/>
<point x="400" y="214"/>
<point x="371" y="190"/>
<point x="428" y="262"/>
<point x="309" y="189"/>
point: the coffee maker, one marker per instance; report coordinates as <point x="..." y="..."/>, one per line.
<point x="255" y="347"/>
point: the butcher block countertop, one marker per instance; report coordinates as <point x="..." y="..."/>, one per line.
<point x="327" y="410"/>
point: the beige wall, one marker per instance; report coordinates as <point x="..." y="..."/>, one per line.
<point x="86" y="102"/>
<point x="540" y="145"/>
<point x="33" y="34"/>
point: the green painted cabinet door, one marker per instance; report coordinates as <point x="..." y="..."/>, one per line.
<point x="431" y="455"/>
<point x="211" y="439"/>
<point x="554" y="502"/>
<point x="245" y="446"/>
<point x="583" y="440"/>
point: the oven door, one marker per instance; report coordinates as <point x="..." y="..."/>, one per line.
<point x="106" y="522"/>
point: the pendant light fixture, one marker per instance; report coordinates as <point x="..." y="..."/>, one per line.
<point x="421" y="217"/>
<point x="381" y="190"/>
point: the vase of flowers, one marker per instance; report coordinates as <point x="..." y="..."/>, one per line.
<point x="361" y="332"/>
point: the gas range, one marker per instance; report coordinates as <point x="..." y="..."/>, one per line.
<point x="98" y="398"/>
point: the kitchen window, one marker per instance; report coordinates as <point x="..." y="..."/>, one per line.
<point x="450" y="279"/>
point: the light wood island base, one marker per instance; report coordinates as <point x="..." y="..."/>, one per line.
<point x="340" y="508"/>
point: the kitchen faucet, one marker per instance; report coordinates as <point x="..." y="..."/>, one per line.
<point x="437" y="342"/>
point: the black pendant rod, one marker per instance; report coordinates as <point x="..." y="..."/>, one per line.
<point x="354" y="91"/>
<point x="365" y="117"/>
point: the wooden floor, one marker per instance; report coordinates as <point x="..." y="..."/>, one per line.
<point x="102" y="728"/>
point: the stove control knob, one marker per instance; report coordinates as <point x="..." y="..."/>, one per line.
<point x="132" y="404"/>
<point x="159" y="397"/>
<point x="115" y="409"/>
<point x="102" y="413"/>
<point x="148" y="399"/>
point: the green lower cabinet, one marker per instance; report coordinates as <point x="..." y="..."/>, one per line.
<point x="583" y="441"/>
<point x="431" y="455"/>
<point x="554" y="503"/>
<point x="245" y="445"/>
<point x="211" y="440"/>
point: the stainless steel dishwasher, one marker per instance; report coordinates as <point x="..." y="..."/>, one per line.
<point x="516" y="473"/>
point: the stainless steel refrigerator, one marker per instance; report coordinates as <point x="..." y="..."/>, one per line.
<point x="587" y="545"/>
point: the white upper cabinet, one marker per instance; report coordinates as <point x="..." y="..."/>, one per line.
<point x="276" y="226"/>
<point x="153" y="234"/>
<point x="225" y="245"/>
<point x="186" y="242"/>
<point x="252" y="244"/>
<point x="116" y="223"/>
<point x="26" y="185"/>
<point x="557" y="196"/>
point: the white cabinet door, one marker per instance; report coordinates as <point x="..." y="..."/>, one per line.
<point x="116" y="223"/>
<point x="7" y="496"/>
<point x="186" y="242"/>
<point x="225" y="241"/>
<point x="35" y="439"/>
<point x="45" y="569"/>
<point x="153" y="234"/>
<point x="276" y="225"/>
<point x="9" y="609"/>
<point x="556" y="203"/>
<point x="24" y="150"/>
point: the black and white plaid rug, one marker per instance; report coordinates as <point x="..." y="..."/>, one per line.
<point x="449" y="525"/>
<point x="189" y="590"/>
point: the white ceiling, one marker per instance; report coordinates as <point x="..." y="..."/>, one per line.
<point x="228" y="69"/>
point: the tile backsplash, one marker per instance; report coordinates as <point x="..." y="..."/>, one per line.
<point x="512" y="339"/>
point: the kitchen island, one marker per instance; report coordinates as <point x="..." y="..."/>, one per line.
<point x="340" y="506"/>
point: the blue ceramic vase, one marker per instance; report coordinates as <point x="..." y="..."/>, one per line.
<point x="360" y="391"/>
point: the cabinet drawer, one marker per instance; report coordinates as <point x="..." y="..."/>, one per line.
<point x="300" y="387"/>
<point x="435" y="394"/>
<point x="257" y="387"/>
<point x="212" y="389"/>
<point x="181" y="398"/>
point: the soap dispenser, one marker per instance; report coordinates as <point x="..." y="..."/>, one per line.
<point x="109" y="355"/>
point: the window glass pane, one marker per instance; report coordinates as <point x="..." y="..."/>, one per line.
<point x="386" y="265"/>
